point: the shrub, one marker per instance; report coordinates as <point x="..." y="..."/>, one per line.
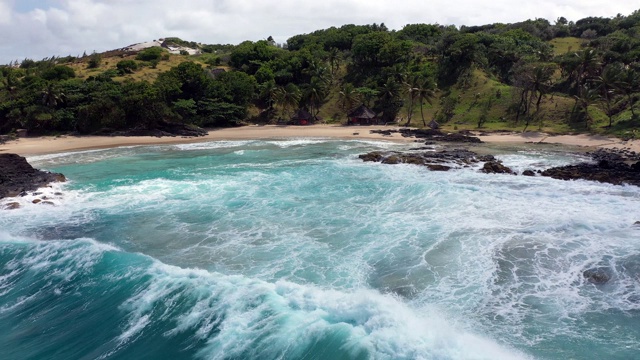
<point x="150" y="54"/>
<point x="127" y="66"/>
<point x="94" y="61"/>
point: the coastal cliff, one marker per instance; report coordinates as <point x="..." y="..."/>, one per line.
<point x="17" y="176"/>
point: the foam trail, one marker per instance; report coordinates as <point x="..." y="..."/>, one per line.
<point x="234" y="316"/>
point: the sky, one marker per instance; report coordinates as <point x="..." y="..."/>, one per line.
<point x="41" y="28"/>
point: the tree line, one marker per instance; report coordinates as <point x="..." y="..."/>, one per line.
<point x="397" y="73"/>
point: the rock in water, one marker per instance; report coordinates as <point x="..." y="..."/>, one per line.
<point x="17" y="176"/>
<point x="597" y="276"/>
<point x="495" y="167"/>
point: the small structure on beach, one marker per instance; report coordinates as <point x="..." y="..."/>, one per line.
<point x="302" y="117"/>
<point x="362" y="115"/>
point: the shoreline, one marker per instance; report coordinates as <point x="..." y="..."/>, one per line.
<point x="65" y="143"/>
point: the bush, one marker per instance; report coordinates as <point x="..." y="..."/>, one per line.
<point x="59" y="72"/>
<point x="94" y="61"/>
<point x="150" y="54"/>
<point x="127" y="66"/>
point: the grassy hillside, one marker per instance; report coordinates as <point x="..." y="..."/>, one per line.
<point x="565" y="45"/>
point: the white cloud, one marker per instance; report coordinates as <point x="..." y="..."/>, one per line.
<point x="62" y="27"/>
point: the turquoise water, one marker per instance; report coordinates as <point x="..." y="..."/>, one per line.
<point x="295" y="249"/>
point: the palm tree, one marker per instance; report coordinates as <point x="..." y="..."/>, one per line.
<point x="411" y="89"/>
<point x="52" y="96"/>
<point x="426" y="93"/>
<point x="288" y="97"/>
<point x="628" y="85"/>
<point x="315" y="93"/>
<point x="334" y="58"/>
<point x="588" y="63"/>
<point x="348" y="97"/>
<point x="390" y="98"/>
<point x="608" y="83"/>
<point x="586" y="96"/>
<point x="539" y="84"/>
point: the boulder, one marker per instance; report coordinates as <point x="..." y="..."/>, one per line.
<point x="495" y="167"/>
<point x="438" y="167"/>
<point x="372" y="156"/>
<point x="597" y="276"/>
<point x="17" y="177"/>
<point x="528" y="173"/>
<point x="12" y="206"/>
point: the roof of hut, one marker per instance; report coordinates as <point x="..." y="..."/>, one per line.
<point x="362" y="112"/>
<point x="302" y="114"/>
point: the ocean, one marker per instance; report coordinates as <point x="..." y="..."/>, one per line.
<point x="296" y="249"/>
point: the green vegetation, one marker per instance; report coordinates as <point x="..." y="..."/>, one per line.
<point x="561" y="77"/>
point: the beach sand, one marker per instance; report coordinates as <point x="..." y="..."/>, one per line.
<point x="50" y="144"/>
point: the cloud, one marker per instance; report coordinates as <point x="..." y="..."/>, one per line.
<point x="36" y="29"/>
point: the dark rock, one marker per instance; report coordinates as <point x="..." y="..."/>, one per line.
<point x="597" y="276"/>
<point x="438" y="167"/>
<point x="636" y="223"/>
<point x="528" y="173"/>
<point x="392" y="159"/>
<point x="434" y="160"/>
<point x="486" y="158"/>
<point x="35" y="201"/>
<point x="12" y="206"/>
<point x="17" y="177"/>
<point x="609" y="166"/>
<point x="57" y="194"/>
<point x="495" y="167"/>
<point x="162" y="128"/>
<point x="47" y="203"/>
<point x="372" y="156"/>
<point x="432" y="135"/>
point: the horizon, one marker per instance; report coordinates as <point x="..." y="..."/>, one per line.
<point x="40" y="29"/>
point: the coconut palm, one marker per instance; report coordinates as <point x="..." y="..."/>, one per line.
<point x="349" y="97"/>
<point x="628" y="85"/>
<point x="608" y="83"/>
<point x="426" y="92"/>
<point x="411" y="91"/>
<point x="288" y="97"/>
<point x="52" y="96"/>
<point x="315" y="93"/>
<point x="585" y="98"/>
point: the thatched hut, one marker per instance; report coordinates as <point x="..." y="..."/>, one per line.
<point x="302" y="117"/>
<point x="362" y="115"/>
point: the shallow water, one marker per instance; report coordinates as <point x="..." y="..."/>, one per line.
<point x="295" y="249"/>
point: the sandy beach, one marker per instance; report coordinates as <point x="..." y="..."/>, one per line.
<point x="50" y="144"/>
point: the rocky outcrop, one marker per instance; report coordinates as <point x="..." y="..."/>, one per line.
<point x="18" y="177"/>
<point x="598" y="276"/>
<point x="443" y="160"/>
<point x="431" y="135"/>
<point x="608" y="167"/>
<point x="161" y="129"/>
<point x="496" y="167"/>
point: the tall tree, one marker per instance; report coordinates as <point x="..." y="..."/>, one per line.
<point x="608" y="84"/>
<point x="348" y="97"/>
<point x="426" y="92"/>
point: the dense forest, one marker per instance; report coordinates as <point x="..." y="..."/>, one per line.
<point x="561" y="77"/>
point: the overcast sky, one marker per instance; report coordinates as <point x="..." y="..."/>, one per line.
<point x="39" y="28"/>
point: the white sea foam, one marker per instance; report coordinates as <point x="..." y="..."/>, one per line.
<point x="211" y="145"/>
<point x="233" y="313"/>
